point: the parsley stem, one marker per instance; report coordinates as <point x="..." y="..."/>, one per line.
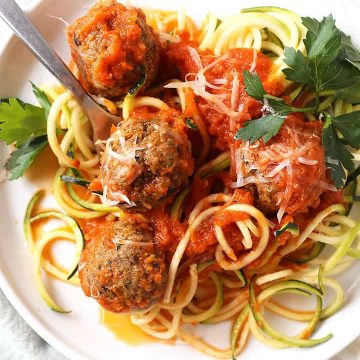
<point x="317" y="100"/>
<point x="327" y="122"/>
<point x="353" y="175"/>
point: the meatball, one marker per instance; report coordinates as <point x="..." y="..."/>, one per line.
<point x="121" y="267"/>
<point x="144" y="163"/>
<point x="113" y="48"/>
<point x="288" y="171"/>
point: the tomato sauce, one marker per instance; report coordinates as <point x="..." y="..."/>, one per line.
<point x="99" y="229"/>
<point x="202" y="238"/>
<point x="220" y="125"/>
<point x="118" y="47"/>
<point x="329" y="198"/>
<point x="168" y="232"/>
<point x="307" y="184"/>
<point x="225" y="217"/>
<point x="200" y="189"/>
<point x="302" y="176"/>
<point x="103" y="229"/>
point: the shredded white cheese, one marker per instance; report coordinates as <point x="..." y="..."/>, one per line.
<point x="200" y="83"/>
<point x="287" y="194"/>
<point x="253" y="65"/>
<point x="305" y="161"/>
<point x="164" y="37"/>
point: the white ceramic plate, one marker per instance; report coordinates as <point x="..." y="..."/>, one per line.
<point x="79" y="334"/>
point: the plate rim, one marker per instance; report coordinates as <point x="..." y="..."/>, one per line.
<point x="5" y="285"/>
<point x="31" y="320"/>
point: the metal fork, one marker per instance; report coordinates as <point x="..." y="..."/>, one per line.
<point x="100" y="120"/>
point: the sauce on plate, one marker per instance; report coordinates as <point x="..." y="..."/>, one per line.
<point x="123" y="329"/>
<point x="43" y="170"/>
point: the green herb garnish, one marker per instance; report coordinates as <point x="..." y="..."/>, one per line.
<point x="269" y="125"/>
<point x="25" y="126"/>
<point x="191" y="124"/>
<point x="291" y="227"/>
<point x="338" y="157"/>
<point x="332" y="63"/>
<point x="21" y="159"/>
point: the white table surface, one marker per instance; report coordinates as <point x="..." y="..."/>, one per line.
<point x="18" y="341"/>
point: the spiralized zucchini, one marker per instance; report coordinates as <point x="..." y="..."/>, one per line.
<point x="37" y="247"/>
<point x="215" y="307"/>
<point x="225" y="288"/>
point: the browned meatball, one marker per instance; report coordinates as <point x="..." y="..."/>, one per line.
<point x="121" y="268"/>
<point x="113" y="48"/>
<point x="145" y="162"/>
<point x="289" y="171"/>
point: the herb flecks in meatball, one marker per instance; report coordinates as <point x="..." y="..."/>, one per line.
<point x="121" y="267"/>
<point x="144" y="163"/>
<point x="113" y="48"/>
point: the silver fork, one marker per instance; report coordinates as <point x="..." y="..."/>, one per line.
<point x="100" y="120"/>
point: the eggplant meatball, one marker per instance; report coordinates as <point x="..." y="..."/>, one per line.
<point x="113" y="48"/>
<point x="121" y="267"/>
<point x="288" y="173"/>
<point x="145" y="162"/>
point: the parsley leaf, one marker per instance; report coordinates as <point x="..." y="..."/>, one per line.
<point x="299" y="69"/>
<point x="23" y="157"/>
<point x="323" y="43"/>
<point x="255" y="89"/>
<point x="253" y="85"/>
<point x="337" y="156"/>
<point x="352" y="54"/>
<point x="349" y="126"/>
<point x="331" y="61"/>
<point x="339" y="74"/>
<point x="279" y="105"/>
<point x="19" y="121"/>
<point x="351" y="94"/>
<point x="270" y="124"/>
<point x="311" y="24"/>
<point x="24" y="125"/>
<point x="42" y="98"/>
<point x="266" y="127"/>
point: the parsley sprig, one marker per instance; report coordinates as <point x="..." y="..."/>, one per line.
<point x="331" y="63"/>
<point x="24" y="125"/>
<point x="338" y="157"/>
<point x="269" y="125"/>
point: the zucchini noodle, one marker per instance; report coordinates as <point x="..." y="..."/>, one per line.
<point x="246" y="271"/>
<point x="254" y="253"/>
<point x="170" y="22"/>
<point x="42" y="261"/>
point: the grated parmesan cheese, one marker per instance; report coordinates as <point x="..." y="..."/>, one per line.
<point x="253" y="65"/>
<point x="200" y="83"/>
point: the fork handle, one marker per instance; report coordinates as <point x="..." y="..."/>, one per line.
<point x="12" y="14"/>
